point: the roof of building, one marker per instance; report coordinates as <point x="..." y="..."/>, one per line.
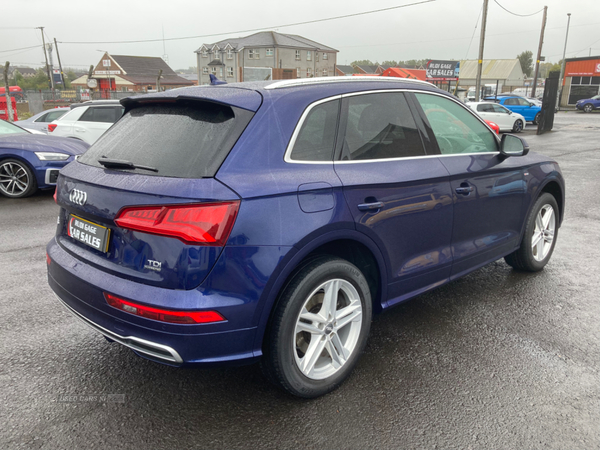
<point x="269" y="39"/>
<point x="345" y="69"/>
<point x="368" y="69"/>
<point x="492" y="69"/>
<point x="398" y="72"/>
<point x="144" y="70"/>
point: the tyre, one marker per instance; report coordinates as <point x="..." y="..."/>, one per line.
<point x="16" y="179"/>
<point x="319" y="328"/>
<point x="541" y="232"/>
<point x="588" y="108"/>
<point x="537" y="118"/>
<point x="518" y="126"/>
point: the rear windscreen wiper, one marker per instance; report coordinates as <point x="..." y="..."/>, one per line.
<point x="122" y="164"/>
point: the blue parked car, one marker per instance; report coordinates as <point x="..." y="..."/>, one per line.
<point x="520" y="105"/>
<point x="269" y="221"/>
<point x="588" y="104"/>
<point x="31" y="161"/>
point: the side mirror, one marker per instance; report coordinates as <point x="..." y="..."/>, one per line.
<point x="511" y="145"/>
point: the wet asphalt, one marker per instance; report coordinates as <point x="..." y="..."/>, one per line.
<point x="496" y="360"/>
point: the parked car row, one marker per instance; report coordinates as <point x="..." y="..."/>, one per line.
<point x="197" y="233"/>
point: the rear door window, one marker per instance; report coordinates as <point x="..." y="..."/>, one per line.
<point x="187" y="140"/>
<point x="380" y="126"/>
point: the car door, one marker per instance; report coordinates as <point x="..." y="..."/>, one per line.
<point x="503" y="116"/>
<point x="398" y="195"/>
<point x="95" y="121"/>
<point x="41" y="123"/>
<point x="488" y="111"/>
<point x="487" y="218"/>
<point x="520" y="106"/>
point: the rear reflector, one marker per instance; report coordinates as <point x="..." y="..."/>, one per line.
<point x="199" y="224"/>
<point x="163" y="315"/>
<point x="52" y="126"/>
<point x="48" y="260"/>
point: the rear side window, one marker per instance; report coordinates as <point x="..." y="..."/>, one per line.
<point x="380" y="126"/>
<point x="189" y="140"/>
<point x="316" y="138"/>
<point x="105" y="114"/>
<point x="51" y="116"/>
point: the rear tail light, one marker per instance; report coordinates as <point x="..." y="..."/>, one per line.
<point x="54" y="196"/>
<point x="52" y="126"/>
<point x="48" y="260"/>
<point x="163" y="315"/>
<point x="200" y="224"/>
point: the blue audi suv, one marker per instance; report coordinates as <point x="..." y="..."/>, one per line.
<point x="268" y="221"/>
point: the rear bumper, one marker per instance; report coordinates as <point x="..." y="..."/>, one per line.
<point x="80" y="288"/>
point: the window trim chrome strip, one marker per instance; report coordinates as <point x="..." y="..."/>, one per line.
<point x="288" y="152"/>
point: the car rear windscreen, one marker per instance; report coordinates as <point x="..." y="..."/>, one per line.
<point x="183" y="140"/>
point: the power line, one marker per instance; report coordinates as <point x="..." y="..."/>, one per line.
<point x="254" y="29"/>
<point x="474" y="30"/>
<point x="515" y="14"/>
<point x="17" y="49"/>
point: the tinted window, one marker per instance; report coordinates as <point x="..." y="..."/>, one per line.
<point x="105" y="114"/>
<point x="42" y="118"/>
<point x="455" y="128"/>
<point x="511" y="101"/>
<point x="499" y="109"/>
<point x="53" y="115"/>
<point x="380" y="126"/>
<point x="486" y="107"/>
<point x="184" y="141"/>
<point x="317" y="135"/>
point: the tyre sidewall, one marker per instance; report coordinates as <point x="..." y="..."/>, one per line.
<point x="535" y="265"/>
<point x="292" y="302"/>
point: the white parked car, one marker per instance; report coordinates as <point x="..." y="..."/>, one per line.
<point x="87" y="121"/>
<point x="506" y="119"/>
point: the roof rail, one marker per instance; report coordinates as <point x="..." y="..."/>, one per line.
<point x="321" y="80"/>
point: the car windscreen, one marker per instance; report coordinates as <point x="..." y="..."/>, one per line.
<point x="182" y="140"/>
<point x="9" y="128"/>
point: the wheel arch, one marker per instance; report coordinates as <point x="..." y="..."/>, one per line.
<point x="347" y="244"/>
<point x="555" y="189"/>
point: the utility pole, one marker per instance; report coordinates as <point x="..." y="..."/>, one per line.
<point x="481" y="42"/>
<point x="45" y="56"/>
<point x="158" y="80"/>
<point x="7" y="93"/>
<point x="562" y="66"/>
<point x="539" y="55"/>
<point x="62" y="75"/>
<point x="51" y="66"/>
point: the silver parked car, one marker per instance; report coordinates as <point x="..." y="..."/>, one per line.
<point x="40" y="121"/>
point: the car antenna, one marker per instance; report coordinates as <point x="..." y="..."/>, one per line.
<point x="215" y="81"/>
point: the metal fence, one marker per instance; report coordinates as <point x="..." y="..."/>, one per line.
<point x="40" y="100"/>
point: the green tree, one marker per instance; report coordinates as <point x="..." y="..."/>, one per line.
<point x="363" y="62"/>
<point x="526" y="60"/>
<point x="390" y="63"/>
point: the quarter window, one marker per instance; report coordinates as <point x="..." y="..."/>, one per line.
<point x="317" y="136"/>
<point x="455" y="128"/>
<point x="380" y="126"/>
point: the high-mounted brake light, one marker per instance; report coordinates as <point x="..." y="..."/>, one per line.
<point x="163" y="315"/>
<point x="199" y="224"/>
<point x="52" y="126"/>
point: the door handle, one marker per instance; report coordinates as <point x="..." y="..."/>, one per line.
<point x="370" y="206"/>
<point x="464" y="190"/>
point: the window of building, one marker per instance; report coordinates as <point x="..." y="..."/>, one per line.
<point x="317" y="56"/>
<point x="297" y="55"/>
<point x="317" y="136"/>
<point x="309" y="55"/>
<point x="324" y="72"/>
<point x="456" y="129"/>
<point x="229" y="53"/>
<point x="324" y="56"/>
<point x="205" y="70"/>
<point x="298" y="72"/>
<point x="253" y="54"/>
<point x="230" y="72"/>
<point x="309" y="72"/>
<point x="204" y="53"/>
<point x="214" y="70"/>
<point x="380" y="126"/>
<point x="221" y="72"/>
<point x="269" y="52"/>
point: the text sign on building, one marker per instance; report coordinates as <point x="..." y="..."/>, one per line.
<point x="106" y="62"/>
<point x="107" y="72"/>
<point x="442" y="70"/>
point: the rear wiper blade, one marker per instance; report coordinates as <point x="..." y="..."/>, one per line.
<point x="122" y="164"/>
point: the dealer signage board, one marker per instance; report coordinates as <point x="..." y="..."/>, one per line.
<point x="442" y="70"/>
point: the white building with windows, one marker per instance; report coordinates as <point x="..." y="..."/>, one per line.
<point x="267" y="55"/>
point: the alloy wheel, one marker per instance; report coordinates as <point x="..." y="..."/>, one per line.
<point x="14" y="179"/>
<point x="543" y="234"/>
<point x="327" y="329"/>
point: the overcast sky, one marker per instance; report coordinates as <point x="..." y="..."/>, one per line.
<point x="440" y="29"/>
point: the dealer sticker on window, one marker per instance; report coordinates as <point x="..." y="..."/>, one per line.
<point x="89" y="233"/>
